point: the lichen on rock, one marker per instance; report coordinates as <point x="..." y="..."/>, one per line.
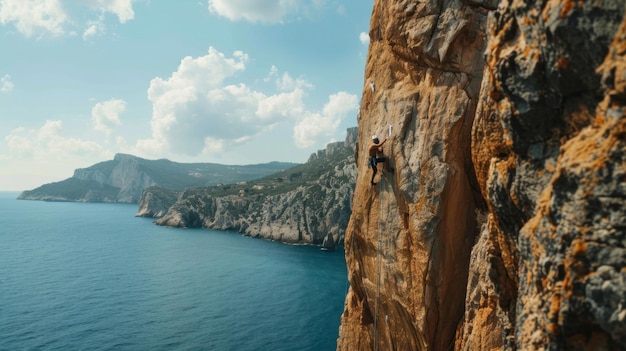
<point x="503" y="226"/>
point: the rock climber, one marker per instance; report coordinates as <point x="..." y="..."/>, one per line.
<point x="374" y="152"/>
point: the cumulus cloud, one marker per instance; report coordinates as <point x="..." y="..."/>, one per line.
<point x="106" y="115"/>
<point x="193" y="103"/>
<point x="123" y="9"/>
<point x="197" y="110"/>
<point x="47" y="143"/>
<point x="364" y="38"/>
<point x="264" y="11"/>
<point x="322" y="125"/>
<point x="34" y="17"/>
<point x="6" y="85"/>
<point x="48" y="17"/>
<point x="35" y="156"/>
<point x="285" y="82"/>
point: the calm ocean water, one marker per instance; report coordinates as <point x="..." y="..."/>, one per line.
<point x="77" y="276"/>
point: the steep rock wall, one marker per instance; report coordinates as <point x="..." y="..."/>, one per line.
<point x="305" y="215"/>
<point x="502" y="227"/>
<point x="126" y="175"/>
<point x="155" y="202"/>
<point x="409" y="238"/>
<point x="308" y="214"/>
<point x="548" y="145"/>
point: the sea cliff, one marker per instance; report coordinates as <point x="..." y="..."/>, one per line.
<point x="124" y="178"/>
<point x="304" y="204"/>
<point x="503" y="226"/>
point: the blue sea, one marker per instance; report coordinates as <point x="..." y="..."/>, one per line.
<point x="84" y="276"/>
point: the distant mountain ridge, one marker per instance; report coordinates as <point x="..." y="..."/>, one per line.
<point x="303" y="204"/>
<point x="124" y="178"/>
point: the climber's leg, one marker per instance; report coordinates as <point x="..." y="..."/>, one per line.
<point x="374" y="171"/>
<point x="372" y="164"/>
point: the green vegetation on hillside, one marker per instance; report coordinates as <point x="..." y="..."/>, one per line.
<point x="282" y="181"/>
<point x="179" y="176"/>
<point x="72" y="189"/>
<point x="100" y="182"/>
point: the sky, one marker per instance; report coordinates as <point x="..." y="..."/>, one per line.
<point x="224" y="81"/>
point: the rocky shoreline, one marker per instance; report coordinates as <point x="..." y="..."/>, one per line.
<point x="310" y="210"/>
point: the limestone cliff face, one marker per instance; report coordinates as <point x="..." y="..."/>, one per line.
<point x="548" y="145"/>
<point x="126" y="175"/>
<point x="409" y="238"/>
<point x="305" y="215"/>
<point x="119" y="180"/>
<point x="124" y="178"/>
<point x="156" y="201"/>
<point x="309" y="213"/>
<point x="504" y="224"/>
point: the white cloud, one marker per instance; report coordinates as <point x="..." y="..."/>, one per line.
<point x="316" y="126"/>
<point x="36" y="156"/>
<point x="264" y="11"/>
<point x="287" y="104"/>
<point x="122" y="8"/>
<point x="193" y="103"/>
<point x="49" y="17"/>
<point x="34" y="17"/>
<point x="94" y="28"/>
<point x="47" y="143"/>
<point x="364" y="38"/>
<point x="6" y="85"/>
<point x="105" y="115"/>
<point x="272" y="74"/>
<point x="195" y="110"/>
<point x="286" y="82"/>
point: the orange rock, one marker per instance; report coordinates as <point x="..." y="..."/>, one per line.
<point x="509" y="187"/>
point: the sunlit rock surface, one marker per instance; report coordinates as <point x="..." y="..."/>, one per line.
<point x="316" y="205"/>
<point x="504" y="224"/>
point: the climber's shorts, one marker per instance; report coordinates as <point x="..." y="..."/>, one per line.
<point x="374" y="160"/>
